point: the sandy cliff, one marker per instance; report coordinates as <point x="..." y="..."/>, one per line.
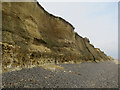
<point x="32" y="36"/>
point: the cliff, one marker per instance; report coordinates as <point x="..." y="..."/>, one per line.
<point x="31" y="36"/>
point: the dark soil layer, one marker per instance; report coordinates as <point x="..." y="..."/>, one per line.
<point x="85" y="75"/>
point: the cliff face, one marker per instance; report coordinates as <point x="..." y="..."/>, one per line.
<point x="32" y="36"/>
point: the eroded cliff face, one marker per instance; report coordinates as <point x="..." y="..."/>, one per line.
<point x="32" y="36"/>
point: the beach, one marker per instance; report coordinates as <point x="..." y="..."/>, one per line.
<point x="84" y="75"/>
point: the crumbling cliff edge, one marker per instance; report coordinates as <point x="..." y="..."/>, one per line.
<point x="31" y="36"/>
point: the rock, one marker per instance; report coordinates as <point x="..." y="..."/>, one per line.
<point x="110" y="58"/>
<point x="32" y="36"/>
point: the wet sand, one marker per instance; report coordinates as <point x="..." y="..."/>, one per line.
<point x="85" y="75"/>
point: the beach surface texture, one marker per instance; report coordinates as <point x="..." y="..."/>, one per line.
<point x="84" y="75"/>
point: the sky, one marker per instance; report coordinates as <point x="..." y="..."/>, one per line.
<point x="96" y="20"/>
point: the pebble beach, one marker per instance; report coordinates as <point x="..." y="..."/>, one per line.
<point x="84" y="75"/>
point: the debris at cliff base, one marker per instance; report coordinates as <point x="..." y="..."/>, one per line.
<point x="31" y="36"/>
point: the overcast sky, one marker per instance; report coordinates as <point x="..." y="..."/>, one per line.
<point x="96" y="20"/>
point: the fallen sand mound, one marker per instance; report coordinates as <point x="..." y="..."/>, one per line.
<point x="116" y="61"/>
